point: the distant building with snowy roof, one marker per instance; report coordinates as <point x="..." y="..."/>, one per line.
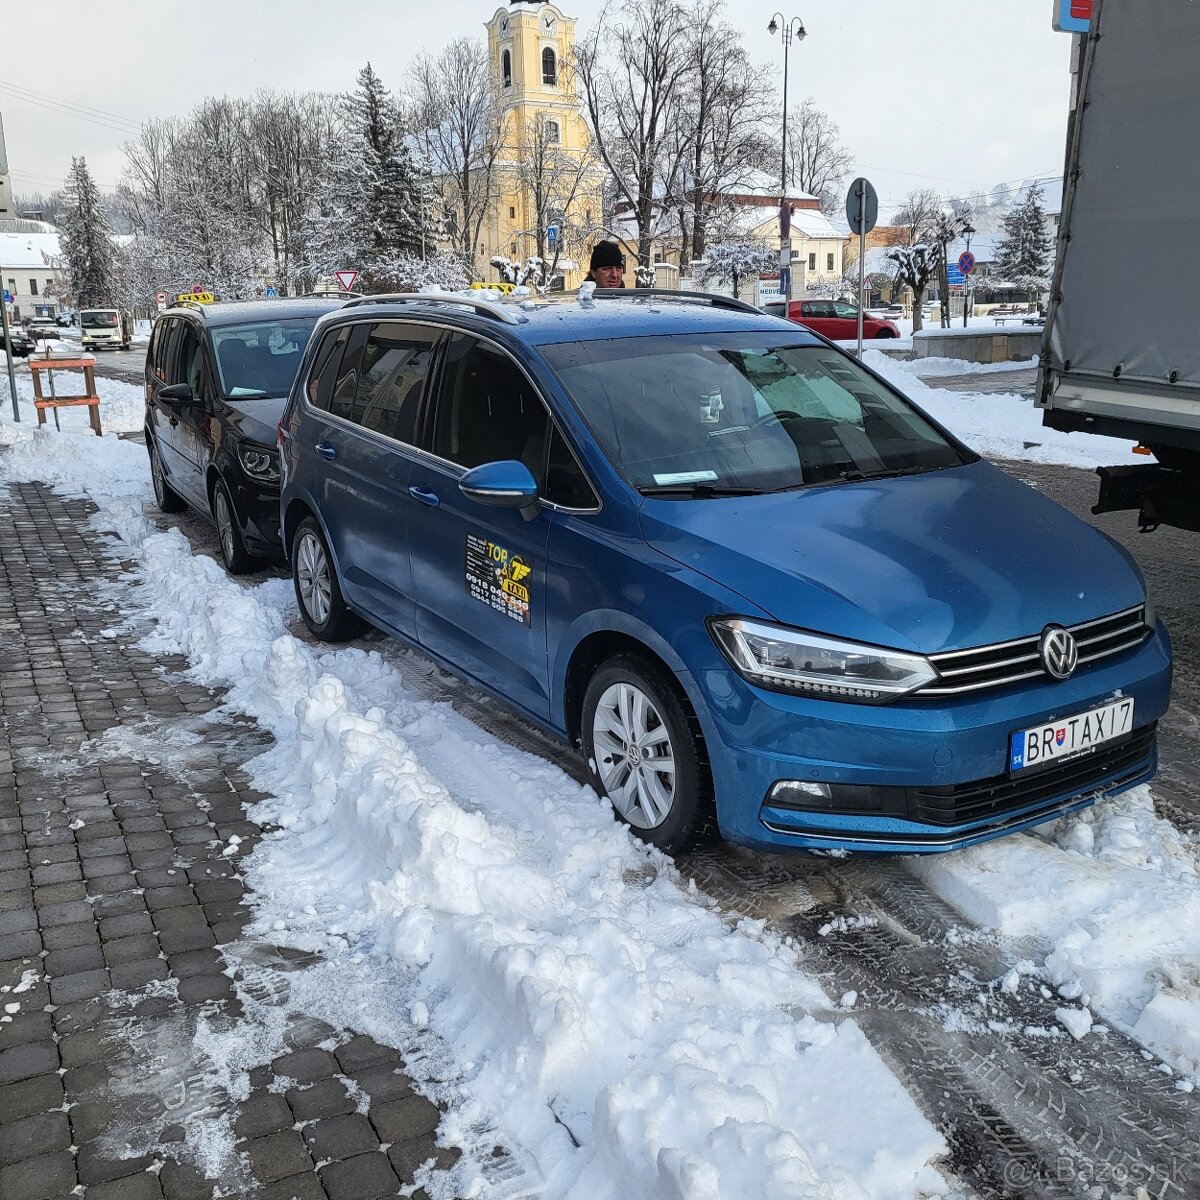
<point x="29" y="265"/>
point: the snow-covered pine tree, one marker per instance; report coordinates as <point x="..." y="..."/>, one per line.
<point x="1023" y="256"/>
<point x="86" y="239"/>
<point x="385" y="210"/>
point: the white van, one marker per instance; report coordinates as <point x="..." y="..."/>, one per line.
<point x="105" y="327"/>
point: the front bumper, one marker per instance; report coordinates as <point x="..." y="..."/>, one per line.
<point x="941" y="765"/>
<point x="258" y="507"/>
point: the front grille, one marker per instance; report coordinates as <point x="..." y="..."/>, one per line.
<point x="961" y="671"/>
<point x="983" y="798"/>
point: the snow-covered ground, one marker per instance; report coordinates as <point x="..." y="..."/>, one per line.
<point x="578" y="990"/>
<point x="600" y="1015"/>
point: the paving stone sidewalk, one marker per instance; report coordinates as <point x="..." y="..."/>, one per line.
<point x="121" y="923"/>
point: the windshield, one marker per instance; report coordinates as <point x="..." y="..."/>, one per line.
<point x="706" y="413"/>
<point x="98" y="320"/>
<point x="260" y="359"/>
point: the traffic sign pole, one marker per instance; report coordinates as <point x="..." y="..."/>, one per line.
<point x="862" y="211"/>
<point x="8" y="358"/>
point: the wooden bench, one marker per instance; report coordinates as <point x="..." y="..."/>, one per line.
<point x="41" y="402"/>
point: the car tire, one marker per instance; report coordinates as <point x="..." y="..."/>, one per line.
<point x="884" y="333"/>
<point x="632" y="705"/>
<point x="237" y="559"/>
<point x="165" y="496"/>
<point x="318" y="592"/>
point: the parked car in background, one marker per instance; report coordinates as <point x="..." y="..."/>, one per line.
<point x="22" y="343"/>
<point x="885" y="312"/>
<point x="217" y="376"/>
<point x="748" y="579"/>
<point x="834" y="319"/>
<point x="41" y="328"/>
<point x="64" y="320"/>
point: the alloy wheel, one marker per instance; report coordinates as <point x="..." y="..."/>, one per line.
<point x="224" y="524"/>
<point x="312" y="576"/>
<point x="634" y="756"/>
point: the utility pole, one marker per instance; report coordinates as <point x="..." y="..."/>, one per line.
<point x="6" y="210"/>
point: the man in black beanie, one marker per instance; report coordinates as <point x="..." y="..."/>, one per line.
<point x="607" y="268"/>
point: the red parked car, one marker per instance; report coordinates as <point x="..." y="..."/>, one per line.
<point x="834" y="318"/>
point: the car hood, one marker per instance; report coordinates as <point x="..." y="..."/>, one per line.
<point x="941" y="561"/>
<point x="257" y="420"/>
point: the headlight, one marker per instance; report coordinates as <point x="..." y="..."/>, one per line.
<point x="791" y="660"/>
<point x="262" y="465"/>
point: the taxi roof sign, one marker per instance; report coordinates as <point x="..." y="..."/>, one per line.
<point x="195" y="298"/>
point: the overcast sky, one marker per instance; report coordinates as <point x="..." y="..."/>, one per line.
<point x="957" y="95"/>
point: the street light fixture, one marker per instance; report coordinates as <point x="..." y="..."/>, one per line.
<point x="967" y="229"/>
<point x="790" y="29"/>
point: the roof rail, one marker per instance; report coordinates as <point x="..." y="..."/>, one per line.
<point x="710" y="298"/>
<point x="488" y="307"/>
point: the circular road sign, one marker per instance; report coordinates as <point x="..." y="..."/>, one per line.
<point x="862" y="206"/>
<point x="160" y="297"/>
<point x="966" y="262"/>
<point x="198" y="290"/>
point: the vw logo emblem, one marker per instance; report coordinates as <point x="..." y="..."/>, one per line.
<point x="1059" y="652"/>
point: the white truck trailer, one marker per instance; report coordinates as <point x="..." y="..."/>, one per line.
<point x="1121" y="350"/>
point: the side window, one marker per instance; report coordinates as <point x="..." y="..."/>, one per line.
<point x="189" y="360"/>
<point x="154" y="350"/>
<point x="845" y="310"/>
<point x="345" y="382"/>
<point x="488" y="410"/>
<point x="395" y="364"/>
<point x="325" y="366"/>
<point x="566" y="484"/>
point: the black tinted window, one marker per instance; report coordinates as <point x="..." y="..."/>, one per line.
<point x="325" y="367"/>
<point x="395" y="364"/>
<point x="488" y="410"/>
<point x="345" y="383"/>
<point x="566" y="484"/>
<point x="189" y="359"/>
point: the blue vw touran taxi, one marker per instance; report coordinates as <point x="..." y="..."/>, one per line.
<point x="757" y="587"/>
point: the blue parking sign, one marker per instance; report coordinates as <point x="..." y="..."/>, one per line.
<point x="1072" y="16"/>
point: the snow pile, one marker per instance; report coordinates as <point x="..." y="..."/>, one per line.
<point x="603" y="1016"/>
<point x="928" y="368"/>
<point x="1115" y="893"/>
<point x="998" y="425"/>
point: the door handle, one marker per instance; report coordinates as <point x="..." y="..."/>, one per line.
<point x="326" y="451"/>
<point x="424" y="495"/>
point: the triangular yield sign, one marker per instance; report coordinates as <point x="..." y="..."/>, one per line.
<point x="346" y="279"/>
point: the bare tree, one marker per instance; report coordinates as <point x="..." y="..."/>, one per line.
<point x="723" y="117"/>
<point x="457" y="118"/>
<point x="817" y="161"/>
<point x="554" y="179"/>
<point x="633" y="95"/>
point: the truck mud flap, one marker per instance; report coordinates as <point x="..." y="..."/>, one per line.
<point x="1159" y="495"/>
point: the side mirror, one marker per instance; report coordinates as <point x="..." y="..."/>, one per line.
<point x="507" y="484"/>
<point x="178" y="394"/>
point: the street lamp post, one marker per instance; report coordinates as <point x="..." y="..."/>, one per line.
<point x="793" y="28"/>
<point x="967" y="229"/>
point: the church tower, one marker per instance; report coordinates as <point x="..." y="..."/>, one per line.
<point x="530" y="46"/>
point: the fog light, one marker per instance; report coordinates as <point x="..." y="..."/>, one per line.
<point x="800" y="792"/>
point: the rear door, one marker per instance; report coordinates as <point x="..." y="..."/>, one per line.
<point x="819" y="315"/>
<point x="479" y="572"/>
<point x="365" y="398"/>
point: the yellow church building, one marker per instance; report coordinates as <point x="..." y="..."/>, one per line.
<point x="549" y="185"/>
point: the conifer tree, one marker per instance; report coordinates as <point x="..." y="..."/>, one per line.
<point x="377" y="202"/>
<point x="1023" y="256"/>
<point x="86" y="239"/>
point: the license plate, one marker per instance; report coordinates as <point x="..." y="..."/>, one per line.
<point x="1070" y="736"/>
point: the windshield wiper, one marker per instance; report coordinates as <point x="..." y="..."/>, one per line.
<point x="857" y="476"/>
<point x="700" y="491"/>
